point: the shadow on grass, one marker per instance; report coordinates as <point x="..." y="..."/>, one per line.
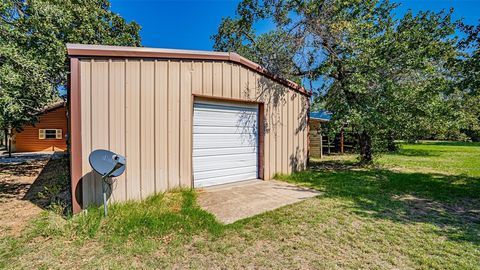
<point x="450" y="143"/>
<point x="51" y="188"/>
<point x="451" y="203"/>
<point x="417" y="153"/>
<point x="26" y="169"/>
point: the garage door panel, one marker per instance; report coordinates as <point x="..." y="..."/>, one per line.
<point x="224" y="151"/>
<point x="224" y="130"/>
<point x="222" y="122"/>
<point x="231" y="114"/>
<point x="225" y="120"/>
<point x="224" y="162"/>
<point x="201" y="141"/>
<point x="226" y="172"/>
<point x="225" y="179"/>
<point x="224" y="143"/>
<point x="225" y="107"/>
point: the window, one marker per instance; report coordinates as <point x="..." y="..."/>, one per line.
<point x="49" y="134"/>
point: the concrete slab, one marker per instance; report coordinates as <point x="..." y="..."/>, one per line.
<point x="233" y="202"/>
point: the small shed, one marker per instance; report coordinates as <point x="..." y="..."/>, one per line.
<point x="317" y="119"/>
<point x="181" y="118"/>
<point x="48" y="134"/>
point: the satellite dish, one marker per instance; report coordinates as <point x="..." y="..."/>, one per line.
<point x="107" y="164"/>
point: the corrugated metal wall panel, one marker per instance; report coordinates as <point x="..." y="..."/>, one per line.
<point x="147" y="109"/>
<point x="186" y="124"/>
<point x="217" y="79"/>
<point x="207" y="78"/>
<point x="173" y="128"/>
<point x="147" y="127"/>
<point x="227" y="80"/>
<point x="88" y="187"/>
<point x="291" y="131"/>
<point x="100" y="119"/>
<point x="235" y="81"/>
<point x="161" y="125"/>
<point x="132" y="131"/>
<point x="117" y="120"/>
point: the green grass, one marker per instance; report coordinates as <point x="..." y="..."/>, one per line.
<point x="418" y="208"/>
<point x="456" y="158"/>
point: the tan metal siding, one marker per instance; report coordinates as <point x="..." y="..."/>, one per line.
<point x="244" y="91"/>
<point x="296" y="149"/>
<point x="100" y="119"/>
<point x="227" y="80"/>
<point x="235" y="81"/>
<point x="161" y="125"/>
<point x="186" y="124"/>
<point x="173" y="123"/>
<point x="217" y="79"/>
<point x="117" y="120"/>
<point x="284" y="137"/>
<point x="197" y="78"/>
<point x="207" y="78"/>
<point x="143" y="109"/>
<point x="147" y="128"/>
<point x="132" y="117"/>
<point x="291" y="131"/>
<point x="88" y="187"/>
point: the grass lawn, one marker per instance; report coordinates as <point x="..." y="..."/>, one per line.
<point x="418" y="208"/>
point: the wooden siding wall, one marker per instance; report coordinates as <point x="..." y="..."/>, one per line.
<point x="27" y="140"/>
<point x="315" y="138"/>
<point x="143" y="110"/>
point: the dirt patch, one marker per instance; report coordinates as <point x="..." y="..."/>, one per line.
<point x="28" y="187"/>
<point x="15" y="181"/>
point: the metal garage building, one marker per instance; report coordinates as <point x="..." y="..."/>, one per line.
<point x="181" y="118"/>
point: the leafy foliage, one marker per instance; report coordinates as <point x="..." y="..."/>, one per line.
<point x="386" y="78"/>
<point x="467" y="85"/>
<point x="33" y="60"/>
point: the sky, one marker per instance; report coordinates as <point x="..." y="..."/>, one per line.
<point x="189" y="24"/>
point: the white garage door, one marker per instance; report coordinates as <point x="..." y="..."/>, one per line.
<point x="224" y="143"/>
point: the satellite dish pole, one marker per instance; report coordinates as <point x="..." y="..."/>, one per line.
<point x="107" y="164"/>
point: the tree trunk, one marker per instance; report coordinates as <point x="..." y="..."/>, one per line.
<point x="9" y="142"/>
<point x="342" y="141"/>
<point x="391" y="145"/>
<point x="9" y="148"/>
<point x="365" y="142"/>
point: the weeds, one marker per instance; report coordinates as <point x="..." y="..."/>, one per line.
<point x="157" y="216"/>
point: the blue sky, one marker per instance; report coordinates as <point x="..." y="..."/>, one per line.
<point x="189" y="24"/>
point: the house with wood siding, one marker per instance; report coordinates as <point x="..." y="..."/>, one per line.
<point x="48" y="134"/>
